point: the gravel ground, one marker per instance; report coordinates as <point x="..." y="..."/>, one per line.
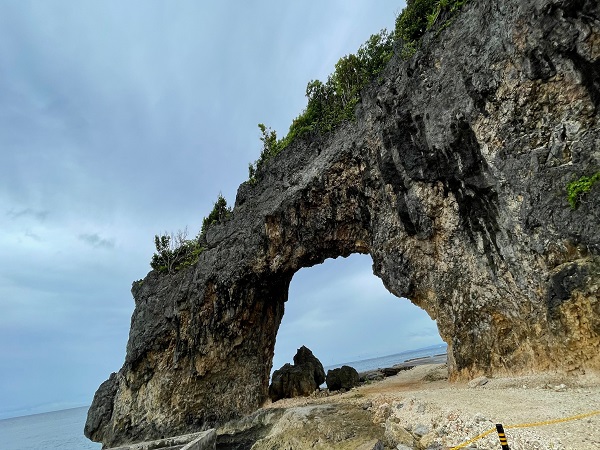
<point x="440" y="415"/>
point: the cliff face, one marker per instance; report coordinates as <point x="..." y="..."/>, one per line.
<point x="452" y="178"/>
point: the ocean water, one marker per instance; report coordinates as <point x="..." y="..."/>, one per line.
<point x="390" y="360"/>
<point x="54" y="430"/>
<point x="64" y="429"/>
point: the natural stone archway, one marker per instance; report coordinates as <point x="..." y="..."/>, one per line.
<point x="344" y="314"/>
<point x="452" y="178"/>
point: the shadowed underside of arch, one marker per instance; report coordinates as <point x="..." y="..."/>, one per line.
<point x="452" y="178"/>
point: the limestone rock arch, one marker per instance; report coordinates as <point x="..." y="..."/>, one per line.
<point x="452" y="178"/>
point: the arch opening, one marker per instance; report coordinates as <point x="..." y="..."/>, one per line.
<point x="343" y="313"/>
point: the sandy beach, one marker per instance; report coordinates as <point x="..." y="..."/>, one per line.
<point x="419" y="408"/>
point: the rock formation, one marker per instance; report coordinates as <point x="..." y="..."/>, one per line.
<point x="344" y="377"/>
<point x="298" y="380"/>
<point x="452" y="178"/>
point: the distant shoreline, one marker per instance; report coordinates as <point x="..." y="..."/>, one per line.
<point x="43" y="412"/>
<point x="440" y="358"/>
<point x="378" y="362"/>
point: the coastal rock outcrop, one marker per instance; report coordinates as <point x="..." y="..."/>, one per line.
<point x="344" y="377"/>
<point x="298" y="380"/>
<point x="452" y="178"/>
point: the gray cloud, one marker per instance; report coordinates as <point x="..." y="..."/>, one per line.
<point x="39" y="215"/>
<point x="96" y="241"/>
<point x="32" y="235"/>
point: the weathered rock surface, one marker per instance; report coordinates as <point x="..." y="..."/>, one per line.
<point x="319" y="426"/>
<point x="452" y="178"/>
<point x="298" y="380"/>
<point x="305" y="358"/>
<point x="344" y="377"/>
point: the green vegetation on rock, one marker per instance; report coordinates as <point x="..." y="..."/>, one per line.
<point x="333" y="102"/>
<point x="219" y="214"/>
<point x="271" y="148"/>
<point x="174" y="251"/>
<point x="419" y="16"/>
<point x="578" y="188"/>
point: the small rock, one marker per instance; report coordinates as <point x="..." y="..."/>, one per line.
<point x="434" y="446"/>
<point x="403" y="447"/>
<point x="421" y="430"/>
<point x="382" y="413"/>
<point x="367" y="405"/>
<point x="371" y="376"/>
<point x="421" y="408"/>
<point x="560" y="388"/>
<point x="479" y="381"/>
<point x="375" y="444"/>
<point x="478" y="417"/>
<point x="430" y="441"/>
<point x="396" y="435"/>
<point x="390" y="371"/>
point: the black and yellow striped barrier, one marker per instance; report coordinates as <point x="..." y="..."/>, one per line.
<point x="502" y="436"/>
<point x="524" y="425"/>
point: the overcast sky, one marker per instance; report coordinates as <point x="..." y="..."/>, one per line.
<point x="119" y="120"/>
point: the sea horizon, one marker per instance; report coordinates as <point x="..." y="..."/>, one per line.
<point x="369" y="362"/>
<point x="63" y="429"/>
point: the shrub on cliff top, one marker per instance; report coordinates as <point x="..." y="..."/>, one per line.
<point x="174" y="251"/>
<point x="333" y="102"/>
<point x="412" y="23"/>
<point x="220" y="213"/>
<point x="419" y="16"/>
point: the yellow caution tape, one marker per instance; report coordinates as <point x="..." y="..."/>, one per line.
<point x="476" y="438"/>
<point x="550" y="422"/>
<point x="527" y="425"/>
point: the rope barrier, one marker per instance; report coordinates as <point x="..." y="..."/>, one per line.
<point x="476" y="438"/>
<point x="527" y="425"/>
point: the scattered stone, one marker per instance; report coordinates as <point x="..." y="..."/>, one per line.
<point x="396" y="434"/>
<point x="345" y="377"/>
<point x="479" y="418"/>
<point x="421" y="430"/>
<point x="479" y="381"/>
<point x="367" y="405"/>
<point x="374" y="375"/>
<point x="437" y="374"/>
<point x="382" y="413"/>
<point x="560" y="388"/>
<point x="430" y="441"/>
<point x="403" y="447"/>
<point x="371" y="445"/>
<point x="390" y="371"/>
